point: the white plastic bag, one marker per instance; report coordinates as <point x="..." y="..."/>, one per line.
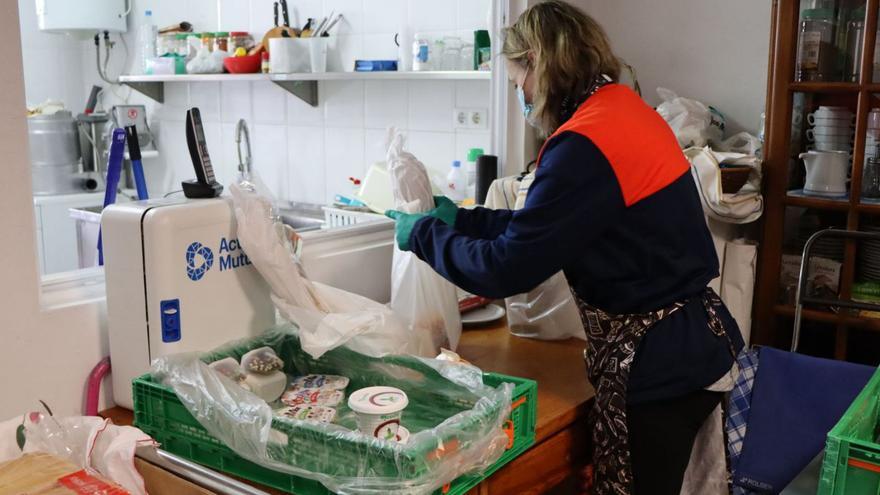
<point x="327" y="317"/>
<point x="547" y="312"/>
<point x="426" y="302"/>
<point x="693" y="122"/>
<point x="90" y="442"/>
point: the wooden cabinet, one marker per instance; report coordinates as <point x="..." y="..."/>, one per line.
<point x="838" y="334"/>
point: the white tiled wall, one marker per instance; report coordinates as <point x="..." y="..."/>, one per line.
<point x="305" y="153"/>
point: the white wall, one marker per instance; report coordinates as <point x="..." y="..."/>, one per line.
<point x="307" y="153"/>
<point x="44" y="355"/>
<point x="715" y="51"/>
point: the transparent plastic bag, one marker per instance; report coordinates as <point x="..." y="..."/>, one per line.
<point x="425" y="301"/>
<point x="327" y="317"/>
<point x="547" y="312"/>
<point x="454" y="419"/>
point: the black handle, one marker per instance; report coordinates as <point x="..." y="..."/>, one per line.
<point x="134" y="148"/>
<point x="276" y="14"/>
<point x="284" y="13"/>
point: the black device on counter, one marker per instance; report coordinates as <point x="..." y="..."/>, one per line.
<point x="487" y="171"/>
<point x="205" y="185"/>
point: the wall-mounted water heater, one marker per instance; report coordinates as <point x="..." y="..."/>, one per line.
<point x="82" y="16"/>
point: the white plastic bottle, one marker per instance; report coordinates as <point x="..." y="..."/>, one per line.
<point x="148" y="35"/>
<point x="456" y="182"/>
<point x="421" y="53"/>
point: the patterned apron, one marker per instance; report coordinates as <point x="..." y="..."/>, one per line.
<point x="613" y="340"/>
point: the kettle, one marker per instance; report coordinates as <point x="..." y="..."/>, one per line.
<point x="826" y="172"/>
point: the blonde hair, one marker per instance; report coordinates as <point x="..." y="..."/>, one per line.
<point x="568" y="49"/>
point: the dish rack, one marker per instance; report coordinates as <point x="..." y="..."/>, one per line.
<point x="339" y="217"/>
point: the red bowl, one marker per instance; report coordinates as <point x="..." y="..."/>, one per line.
<point x="249" y="64"/>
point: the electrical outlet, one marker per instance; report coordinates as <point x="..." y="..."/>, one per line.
<point x="479" y="118"/>
<point x="470" y="118"/>
<point x="460" y="118"/>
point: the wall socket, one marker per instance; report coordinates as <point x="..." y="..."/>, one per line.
<point x="470" y="118"/>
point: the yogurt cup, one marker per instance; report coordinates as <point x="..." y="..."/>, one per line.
<point x="378" y="410"/>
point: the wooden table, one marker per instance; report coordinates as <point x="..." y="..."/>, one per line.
<point x="562" y="439"/>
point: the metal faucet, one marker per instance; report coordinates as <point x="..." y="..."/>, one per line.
<point x="244" y="163"/>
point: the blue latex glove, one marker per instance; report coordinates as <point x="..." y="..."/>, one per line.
<point x="444" y="210"/>
<point x="403" y="226"/>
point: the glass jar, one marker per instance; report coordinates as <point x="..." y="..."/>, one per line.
<point x="816" y="52"/>
<point x="221" y="41"/>
<point x="193" y="43"/>
<point x="871" y="179"/>
<point x="208" y="41"/>
<point x="855" y="37"/>
<point x="240" y="39"/>
<point x="166" y="44"/>
<point x="180" y="43"/>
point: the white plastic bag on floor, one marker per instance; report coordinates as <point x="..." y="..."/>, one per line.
<point x="425" y="301"/>
<point x="547" y="312"/>
<point x="326" y="317"/>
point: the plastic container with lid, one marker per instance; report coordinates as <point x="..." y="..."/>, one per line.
<point x="816" y="51"/>
<point x="378" y="410"/>
<point x="240" y="39"/>
<point x="221" y="41"/>
<point x="208" y="41"/>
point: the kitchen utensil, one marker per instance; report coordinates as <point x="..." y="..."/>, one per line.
<point x="323" y="24"/>
<point x="481" y="316"/>
<point x="827" y="112"/>
<point x="331" y="25"/>
<point x="289" y="55"/>
<point x="54" y="152"/>
<point x="284" y="13"/>
<point x="249" y="64"/>
<point x="826" y="172"/>
<point x="137" y="168"/>
<point x="279" y="30"/>
<point x="114" y="171"/>
<point x="317" y="53"/>
<point x="836" y="132"/>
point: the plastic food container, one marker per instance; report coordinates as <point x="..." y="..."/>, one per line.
<point x="378" y="410"/>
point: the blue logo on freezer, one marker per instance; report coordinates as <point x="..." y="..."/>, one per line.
<point x="199" y="259"/>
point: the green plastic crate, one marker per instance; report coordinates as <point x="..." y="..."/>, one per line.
<point x="852" y="451"/>
<point x="159" y="413"/>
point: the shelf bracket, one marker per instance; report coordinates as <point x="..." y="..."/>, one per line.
<point x="153" y="90"/>
<point x="306" y="91"/>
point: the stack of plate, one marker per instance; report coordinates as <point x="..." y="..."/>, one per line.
<point x="825" y="247"/>
<point x="869" y="256"/>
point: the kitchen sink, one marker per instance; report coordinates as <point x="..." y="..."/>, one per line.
<point x="302" y="217"/>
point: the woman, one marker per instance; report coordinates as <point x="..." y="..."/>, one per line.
<point x="613" y="205"/>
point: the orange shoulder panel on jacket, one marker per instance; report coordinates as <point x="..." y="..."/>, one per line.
<point x="636" y="141"/>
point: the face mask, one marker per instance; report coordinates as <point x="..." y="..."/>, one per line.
<point x="526" y="108"/>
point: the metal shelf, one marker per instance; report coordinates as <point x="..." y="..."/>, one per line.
<point x="302" y="85"/>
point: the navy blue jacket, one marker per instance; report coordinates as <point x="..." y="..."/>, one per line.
<point x="630" y="236"/>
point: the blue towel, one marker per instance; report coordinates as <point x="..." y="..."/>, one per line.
<point x="796" y="400"/>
